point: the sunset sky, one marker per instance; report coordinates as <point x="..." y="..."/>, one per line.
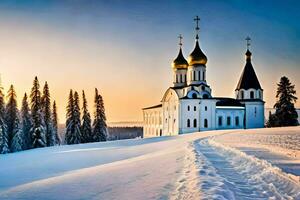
<point x="125" y="48"/>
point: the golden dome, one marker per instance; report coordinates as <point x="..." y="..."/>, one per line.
<point x="180" y="62"/>
<point x="197" y="57"/>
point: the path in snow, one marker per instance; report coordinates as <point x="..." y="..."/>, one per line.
<point x="227" y="173"/>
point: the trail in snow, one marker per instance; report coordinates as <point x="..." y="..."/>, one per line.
<point x="227" y="173"/>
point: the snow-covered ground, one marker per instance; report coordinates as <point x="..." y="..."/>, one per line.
<point x="227" y="164"/>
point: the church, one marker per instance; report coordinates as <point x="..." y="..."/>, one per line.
<point x="188" y="105"/>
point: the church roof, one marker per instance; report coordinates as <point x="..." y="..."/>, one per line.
<point x="180" y="62"/>
<point x="151" y="107"/>
<point x="223" y="101"/>
<point x="197" y="57"/>
<point x="248" y="78"/>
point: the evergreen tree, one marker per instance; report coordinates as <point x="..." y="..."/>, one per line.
<point x="37" y="130"/>
<point x="26" y="123"/>
<point x="272" y="121"/>
<point x="4" y="147"/>
<point x="55" y="124"/>
<point x="86" y="127"/>
<point x="18" y="139"/>
<point x="11" y="114"/>
<point x="99" y="124"/>
<point x="285" y="114"/>
<point x="46" y="109"/>
<point x="73" y="134"/>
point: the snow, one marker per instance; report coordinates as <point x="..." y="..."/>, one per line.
<point x="204" y="165"/>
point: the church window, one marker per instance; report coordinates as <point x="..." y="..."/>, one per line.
<point x="180" y="78"/>
<point x="203" y="76"/>
<point x="251" y="95"/>
<point x="203" y="88"/>
<point x="228" y="121"/>
<point x="255" y="111"/>
<point x="195" y="123"/>
<point x="259" y="95"/>
<point x="195" y="108"/>
<point x="205" y="108"/>
<point x="188" y="108"/>
<point x="194" y="96"/>
<point x="237" y="121"/>
<point x="205" y="123"/>
<point x="242" y="94"/>
<point x="205" y="96"/>
<point x="185" y="78"/>
<point x="188" y="123"/>
<point x="220" y="121"/>
<point x="199" y="75"/>
<point x="194" y="75"/>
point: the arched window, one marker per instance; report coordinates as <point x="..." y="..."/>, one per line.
<point x="188" y="124"/>
<point x="205" y="123"/>
<point x="205" y="108"/>
<point x="242" y="94"/>
<point x="185" y="78"/>
<point x="205" y="96"/>
<point x="194" y="96"/>
<point x="199" y="75"/>
<point x="251" y="95"/>
<point x="237" y="121"/>
<point x="195" y="123"/>
<point x="188" y="108"/>
<point x="259" y="94"/>
<point x="220" y="121"/>
<point x="195" y="108"/>
<point x="194" y="74"/>
<point x="228" y="121"/>
<point x="180" y="78"/>
<point x="203" y="75"/>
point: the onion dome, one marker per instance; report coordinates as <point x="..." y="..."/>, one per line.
<point x="180" y="62"/>
<point x="197" y="57"/>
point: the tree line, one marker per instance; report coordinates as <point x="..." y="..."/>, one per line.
<point x="285" y="112"/>
<point x="35" y="125"/>
<point x="82" y="130"/>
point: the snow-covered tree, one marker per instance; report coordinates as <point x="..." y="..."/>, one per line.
<point x="285" y="114"/>
<point x="73" y="134"/>
<point x="26" y="123"/>
<point x="46" y="109"/>
<point x="18" y="139"/>
<point x="4" y="147"/>
<point x="11" y="114"/>
<point x="99" y="124"/>
<point x="37" y="130"/>
<point x="55" y="124"/>
<point x="86" y="127"/>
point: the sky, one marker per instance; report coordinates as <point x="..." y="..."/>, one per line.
<point x="125" y="48"/>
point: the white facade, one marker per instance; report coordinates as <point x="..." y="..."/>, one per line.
<point x="188" y="106"/>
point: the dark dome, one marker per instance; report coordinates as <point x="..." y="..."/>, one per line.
<point x="197" y="57"/>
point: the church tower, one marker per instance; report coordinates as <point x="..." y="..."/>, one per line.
<point x="180" y="66"/>
<point x="197" y="62"/>
<point x="248" y="86"/>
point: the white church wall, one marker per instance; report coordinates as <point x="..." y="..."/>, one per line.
<point x="231" y="113"/>
<point x="207" y="114"/>
<point x="246" y="94"/>
<point x="189" y="110"/>
<point x="152" y="122"/>
<point x="255" y="114"/>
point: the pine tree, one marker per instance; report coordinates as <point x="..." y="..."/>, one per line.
<point x="99" y="124"/>
<point x="18" y="139"/>
<point x="46" y="109"/>
<point x="26" y="123"/>
<point x="4" y="147"/>
<point x="55" y="124"/>
<point x="285" y="114"/>
<point x="73" y="134"/>
<point x="37" y="130"/>
<point x="86" y="127"/>
<point x="11" y="114"/>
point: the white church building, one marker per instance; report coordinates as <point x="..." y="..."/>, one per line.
<point x="188" y="105"/>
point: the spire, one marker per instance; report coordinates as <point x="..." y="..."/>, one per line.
<point x="248" y="78"/>
<point x="197" y="19"/>
<point x="180" y="62"/>
<point x="197" y="57"/>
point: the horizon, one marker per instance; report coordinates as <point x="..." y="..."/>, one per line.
<point x="79" y="45"/>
